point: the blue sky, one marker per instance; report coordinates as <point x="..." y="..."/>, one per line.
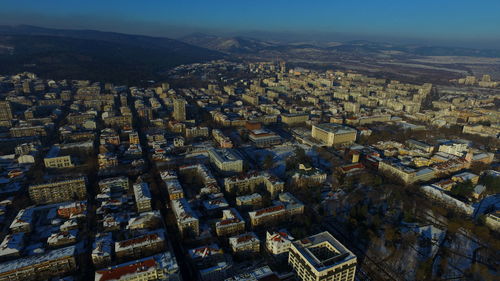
<point x="467" y="21"/>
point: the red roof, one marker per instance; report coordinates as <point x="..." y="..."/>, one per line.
<point x="150" y="237"/>
<point x="117" y="272"/>
<point x="244" y="238"/>
<point x="352" y="167"/>
<point x="269" y="210"/>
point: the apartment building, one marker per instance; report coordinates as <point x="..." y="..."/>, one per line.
<point x="250" y="181"/>
<point x="278" y="242"/>
<point x="140" y="246"/>
<point x="333" y="134"/>
<point x="55" y="159"/>
<point x="59" y="191"/>
<point x="230" y="223"/>
<point x="142" y="197"/>
<point x="245" y="243"/>
<point x="158" y="267"/>
<point x="59" y="262"/>
<point x="187" y="221"/>
<point x="294" y="118"/>
<point x="226" y="160"/>
<point x="321" y="257"/>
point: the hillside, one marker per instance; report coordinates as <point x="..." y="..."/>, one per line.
<point x="95" y="55"/>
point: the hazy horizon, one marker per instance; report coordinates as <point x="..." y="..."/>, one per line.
<point x="447" y="23"/>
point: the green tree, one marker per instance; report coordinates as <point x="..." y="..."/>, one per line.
<point x="463" y="189"/>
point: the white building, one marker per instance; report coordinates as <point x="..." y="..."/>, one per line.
<point x="226" y="160"/>
<point x="278" y="242"/>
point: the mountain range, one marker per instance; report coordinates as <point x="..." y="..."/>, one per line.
<point x="132" y="59"/>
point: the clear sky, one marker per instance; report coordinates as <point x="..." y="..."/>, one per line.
<point x="471" y="22"/>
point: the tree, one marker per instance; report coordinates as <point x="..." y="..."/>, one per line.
<point x="463" y="189"/>
<point x="492" y="183"/>
<point x="268" y="162"/>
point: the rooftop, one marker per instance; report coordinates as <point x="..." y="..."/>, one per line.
<point x="323" y="251"/>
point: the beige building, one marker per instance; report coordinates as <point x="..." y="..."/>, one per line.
<point x="140" y="246"/>
<point x="179" y="110"/>
<point x="321" y="257"/>
<point x="187" y="221"/>
<point x="142" y="197"/>
<point x="230" y="223"/>
<point x="59" y="191"/>
<point x="294" y="118"/>
<point x="332" y="134"/>
<point x="59" y="262"/>
<point x="226" y="160"/>
<point x="245" y="243"/>
<point x="250" y="181"/>
<point x="158" y="267"/>
<point x="55" y="160"/>
<point x="5" y="111"/>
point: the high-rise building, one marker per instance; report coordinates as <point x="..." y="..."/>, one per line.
<point x="180" y="109"/>
<point x="5" y="111"/>
<point x="322" y="257"/>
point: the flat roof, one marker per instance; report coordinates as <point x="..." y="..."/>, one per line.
<point x="335" y="128"/>
<point x="307" y="247"/>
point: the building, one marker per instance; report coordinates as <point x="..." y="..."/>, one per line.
<point x="307" y="175"/>
<point x="223" y="140"/>
<point x="28" y="131"/>
<point x="158" y="267"/>
<point x="333" y="134"/>
<point x="322" y="257"/>
<point x="5" y="111"/>
<point x="267" y="215"/>
<point x="408" y="175"/>
<point x="59" y="191"/>
<point x="256" y="274"/>
<point x="141" y="246"/>
<point x="187" y="221"/>
<point x="179" y="109"/>
<point x="264" y="138"/>
<point x="142" y="197"/>
<point x="250" y="181"/>
<point x="173" y="185"/>
<point x="102" y="249"/>
<point x="294" y="118"/>
<point x="230" y="223"/>
<point x="278" y="242"/>
<point x="54" y="159"/>
<point x="197" y="131"/>
<point x="456" y="148"/>
<point x="114" y="184"/>
<point x="54" y="263"/>
<point x="245" y="243"/>
<point x="249" y="200"/>
<point x="226" y="160"/>
<point x="206" y="255"/>
<point x="286" y="207"/>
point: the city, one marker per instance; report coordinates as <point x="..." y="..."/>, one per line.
<point x="242" y="168"/>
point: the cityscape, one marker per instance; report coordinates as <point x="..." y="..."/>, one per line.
<point x="231" y="158"/>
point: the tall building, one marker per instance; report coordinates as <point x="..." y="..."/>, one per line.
<point x="322" y="257"/>
<point x="5" y="111"/>
<point x="180" y="109"/>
